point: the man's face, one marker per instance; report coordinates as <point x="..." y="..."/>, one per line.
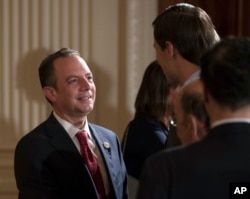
<point x="166" y="61"/>
<point x="159" y="55"/>
<point x="74" y="95"/>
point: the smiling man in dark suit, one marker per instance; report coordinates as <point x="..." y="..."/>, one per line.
<point x="218" y="165"/>
<point x="48" y="161"/>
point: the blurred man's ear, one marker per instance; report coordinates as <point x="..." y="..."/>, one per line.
<point x="192" y="127"/>
<point x="169" y="48"/>
<point x="49" y="93"/>
<point x="198" y="128"/>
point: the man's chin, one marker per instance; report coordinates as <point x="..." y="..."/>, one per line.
<point x="88" y="110"/>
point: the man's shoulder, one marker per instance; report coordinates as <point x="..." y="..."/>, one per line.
<point x="100" y="128"/>
<point x="180" y="153"/>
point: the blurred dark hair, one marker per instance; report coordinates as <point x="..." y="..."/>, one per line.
<point x="46" y="69"/>
<point x="225" y="71"/>
<point x="153" y="92"/>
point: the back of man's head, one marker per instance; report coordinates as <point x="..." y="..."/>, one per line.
<point x="225" y="71"/>
<point x="188" y="28"/>
<point x="192" y="117"/>
<point x="192" y="101"/>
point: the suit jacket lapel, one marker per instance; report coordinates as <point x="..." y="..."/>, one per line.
<point x="63" y="144"/>
<point x="58" y="136"/>
<point x="65" y="148"/>
<point x="104" y="147"/>
<point x="105" y="143"/>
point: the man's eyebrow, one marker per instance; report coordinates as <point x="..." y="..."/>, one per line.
<point x="71" y="76"/>
<point x="89" y="73"/>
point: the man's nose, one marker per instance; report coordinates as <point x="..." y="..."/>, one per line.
<point x="85" y="83"/>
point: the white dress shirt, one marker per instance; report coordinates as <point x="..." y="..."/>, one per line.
<point x="72" y="131"/>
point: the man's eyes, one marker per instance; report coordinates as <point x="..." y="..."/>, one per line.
<point x="90" y="78"/>
<point x="76" y="80"/>
<point x="73" y="80"/>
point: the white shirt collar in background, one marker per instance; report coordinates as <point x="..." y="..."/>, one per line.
<point x="231" y="120"/>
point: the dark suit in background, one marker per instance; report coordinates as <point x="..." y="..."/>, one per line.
<point x="48" y="165"/>
<point x="201" y="170"/>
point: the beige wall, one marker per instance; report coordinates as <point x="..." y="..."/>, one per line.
<point x="115" y="38"/>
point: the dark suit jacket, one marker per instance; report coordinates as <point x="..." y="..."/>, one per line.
<point x="202" y="170"/>
<point x="48" y="165"/>
<point x="145" y="137"/>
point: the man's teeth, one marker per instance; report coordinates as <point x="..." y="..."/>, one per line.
<point x="84" y="98"/>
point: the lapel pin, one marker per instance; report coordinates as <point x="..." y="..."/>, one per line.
<point x="106" y="145"/>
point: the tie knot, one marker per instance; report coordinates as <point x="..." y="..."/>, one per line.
<point x="82" y="136"/>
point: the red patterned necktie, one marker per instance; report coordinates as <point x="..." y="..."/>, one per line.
<point x="91" y="162"/>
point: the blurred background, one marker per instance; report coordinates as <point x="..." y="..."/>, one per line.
<point x="114" y="37"/>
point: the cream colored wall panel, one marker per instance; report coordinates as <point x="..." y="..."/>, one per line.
<point x="138" y="52"/>
<point x="8" y="196"/>
<point x="7" y="181"/>
<point x="115" y="38"/>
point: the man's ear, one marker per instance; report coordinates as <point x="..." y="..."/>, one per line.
<point x="169" y="48"/>
<point x="193" y="127"/>
<point x="198" y="128"/>
<point x="49" y="93"/>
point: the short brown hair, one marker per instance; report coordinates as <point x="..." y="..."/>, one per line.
<point x="189" y="28"/>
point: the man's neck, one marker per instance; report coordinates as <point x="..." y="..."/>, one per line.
<point x="221" y="113"/>
<point x="186" y="70"/>
<point x="78" y="122"/>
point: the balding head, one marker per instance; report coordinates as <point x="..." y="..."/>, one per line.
<point x="191" y="115"/>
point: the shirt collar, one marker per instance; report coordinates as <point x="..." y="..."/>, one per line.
<point x="70" y="128"/>
<point x="194" y="76"/>
<point x="231" y="120"/>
